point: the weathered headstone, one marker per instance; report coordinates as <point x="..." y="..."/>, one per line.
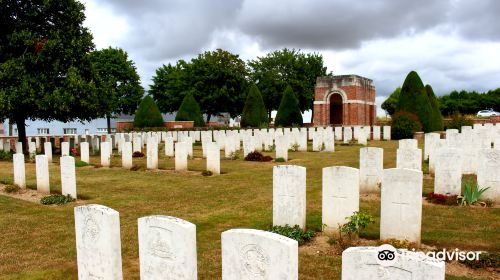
<point x="430" y="143"/>
<point x="289" y="195"/>
<point x="340" y="196"/>
<point x="42" y="174"/>
<point x="371" y="167"/>
<point x="257" y="254"/>
<point x="19" y="147"/>
<point x="19" y="170"/>
<point x="281" y="147"/>
<point x="347" y="134"/>
<point x="169" y="147"/>
<point x="98" y="244"/>
<point x="167" y="248"/>
<point x="68" y="176"/>
<point x="376" y="133"/>
<point x="401" y="205"/>
<point x="338" y="133"/>
<point x="409" y="158"/>
<point x="448" y="172"/>
<point x="440" y="143"/>
<point x="317" y="141"/>
<point x="32" y="149"/>
<point x="329" y="141"/>
<point x="360" y="263"/>
<point x="137" y="144"/>
<point x="488" y="173"/>
<point x="84" y="152"/>
<point x="408" y="144"/>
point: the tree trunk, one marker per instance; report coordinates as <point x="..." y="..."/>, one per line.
<point x="108" y="120"/>
<point x="10" y="127"/>
<point x="208" y="117"/>
<point x="21" y="133"/>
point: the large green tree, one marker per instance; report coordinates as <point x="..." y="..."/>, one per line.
<point x="254" y="112"/>
<point x="436" y="117"/>
<point x="117" y="82"/>
<point x="414" y="99"/>
<point x="45" y="70"/>
<point x="288" y="112"/>
<point x="217" y="79"/>
<point x="469" y="102"/>
<point x="275" y="71"/>
<point x="390" y="105"/>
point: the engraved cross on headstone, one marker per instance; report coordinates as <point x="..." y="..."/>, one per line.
<point x="401" y="203"/>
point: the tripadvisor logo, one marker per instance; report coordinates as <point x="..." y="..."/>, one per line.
<point x="386" y="255"/>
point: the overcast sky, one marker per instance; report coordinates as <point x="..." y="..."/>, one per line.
<point x="452" y="44"/>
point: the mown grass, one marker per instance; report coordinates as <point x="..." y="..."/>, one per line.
<point x="38" y="242"/>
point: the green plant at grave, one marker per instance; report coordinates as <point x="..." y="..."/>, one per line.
<point x="471" y="194"/>
<point x="206" y="173"/>
<point x="5" y="155"/>
<point x="58" y="199"/>
<point x="12" y="188"/>
<point x="233" y="156"/>
<point x="280" y="159"/>
<point x="80" y="163"/>
<point x="295" y="233"/>
<point x="295" y="148"/>
<point x="356" y="222"/>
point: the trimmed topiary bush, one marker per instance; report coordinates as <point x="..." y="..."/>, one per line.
<point x="289" y="113"/>
<point x="403" y="125"/>
<point x="254" y="112"/>
<point x="436" y="123"/>
<point x="190" y="111"/>
<point x="414" y="99"/>
<point x="148" y="114"/>
<point x="256" y="156"/>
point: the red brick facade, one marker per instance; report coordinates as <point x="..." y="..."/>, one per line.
<point x="344" y="100"/>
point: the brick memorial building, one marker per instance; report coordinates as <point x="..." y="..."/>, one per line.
<point x="344" y="100"/>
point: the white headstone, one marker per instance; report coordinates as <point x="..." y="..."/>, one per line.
<point x="376" y="133"/>
<point x="329" y="141"/>
<point x="68" y="176"/>
<point x="169" y="147"/>
<point x="347" y="134"/>
<point x="181" y="156"/>
<point x="42" y="174"/>
<point x="409" y="158"/>
<point x="408" y="144"/>
<point x="32" y="148"/>
<point x="317" y="141"/>
<point x="282" y="147"/>
<point x="371" y="167"/>
<point x="340" y="196"/>
<point x="401" y="205"/>
<point x="152" y="154"/>
<point x="105" y="154"/>
<point x="127" y="155"/>
<point x="432" y="154"/>
<point x="430" y="142"/>
<point x="359" y="263"/>
<point x="338" y="133"/>
<point x="256" y="254"/>
<point x="64" y="148"/>
<point x="98" y="244"/>
<point x="488" y="173"/>
<point x="19" y="147"/>
<point x="189" y="146"/>
<point x="387" y="132"/>
<point x="47" y="147"/>
<point x="213" y="158"/>
<point x="167" y="248"/>
<point x="448" y="173"/>
<point x="84" y="152"/>
<point x="137" y="144"/>
<point x="289" y="195"/>
<point x="19" y="170"/>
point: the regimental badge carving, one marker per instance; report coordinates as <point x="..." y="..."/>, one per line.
<point x="492" y="156"/>
<point x="160" y="243"/>
<point x="91" y="231"/>
<point x="255" y="261"/>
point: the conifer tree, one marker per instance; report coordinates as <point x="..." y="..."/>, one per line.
<point x="148" y="114"/>
<point x="190" y="111"/>
<point x="254" y="112"/>
<point x="289" y="113"/>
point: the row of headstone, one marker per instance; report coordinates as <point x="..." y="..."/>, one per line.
<point x="401" y="199"/>
<point x="167" y="250"/>
<point x="67" y="168"/>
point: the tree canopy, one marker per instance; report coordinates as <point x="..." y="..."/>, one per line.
<point x="148" y="114"/>
<point x="45" y="70"/>
<point x="190" y="110"/>
<point x="469" y="102"/>
<point x="117" y="82"/>
<point x="390" y="105"/>
<point x="287" y="67"/>
<point x="288" y="112"/>
<point x="254" y="112"/>
<point x="217" y="79"/>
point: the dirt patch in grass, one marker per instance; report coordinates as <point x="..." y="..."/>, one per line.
<point x="458" y="269"/>
<point x="28" y="195"/>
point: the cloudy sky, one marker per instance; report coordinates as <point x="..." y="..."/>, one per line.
<point x="452" y="44"/>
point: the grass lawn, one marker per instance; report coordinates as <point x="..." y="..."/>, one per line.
<point x="38" y="242"/>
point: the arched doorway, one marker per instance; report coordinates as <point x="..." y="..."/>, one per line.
<point x="336" y="109"/>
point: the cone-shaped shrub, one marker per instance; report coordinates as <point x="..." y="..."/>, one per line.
<point x="414" y="99"/>
<point x="288" y="112"/>
<point x="148" y="114"/>
<point x="254" y="112"/>
<point x="190" y="111"/>
<point x="436" y="117"/>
